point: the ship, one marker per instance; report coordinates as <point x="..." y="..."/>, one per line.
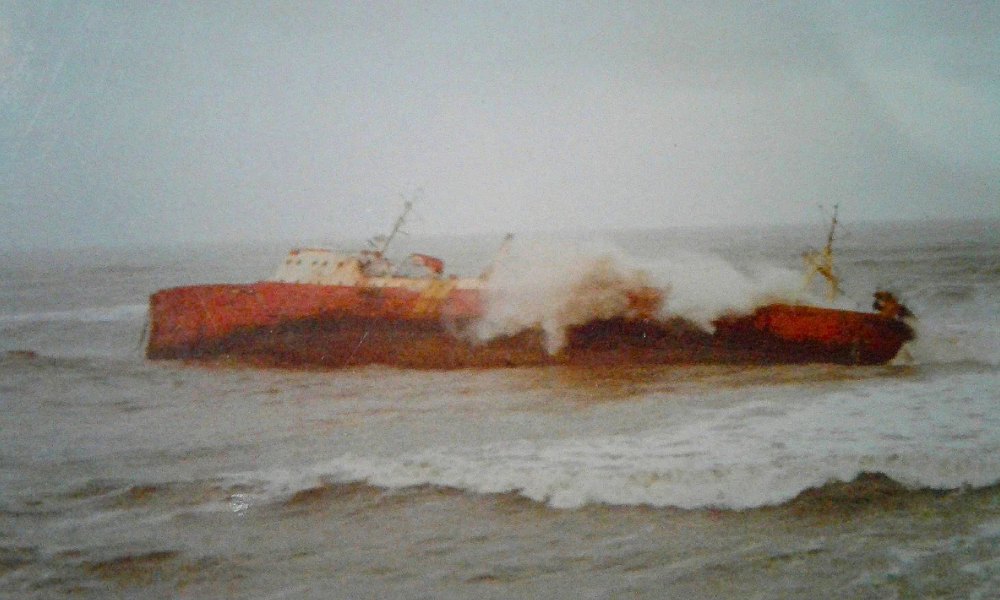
<point x="330" y="309"/>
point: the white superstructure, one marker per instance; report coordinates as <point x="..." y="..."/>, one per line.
<point x="321" y="266"/>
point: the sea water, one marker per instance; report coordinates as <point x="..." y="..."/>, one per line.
<point x="123" y="478"/>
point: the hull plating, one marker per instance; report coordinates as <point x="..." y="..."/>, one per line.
<point x="295" y="325"/>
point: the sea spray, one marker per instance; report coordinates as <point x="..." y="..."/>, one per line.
<point x="705" y="287"/>
<point x="555" y="286"/>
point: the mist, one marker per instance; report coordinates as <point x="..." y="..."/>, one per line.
<point x="230" y="121"/>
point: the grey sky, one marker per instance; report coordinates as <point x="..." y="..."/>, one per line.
<point x="199" y="121"/>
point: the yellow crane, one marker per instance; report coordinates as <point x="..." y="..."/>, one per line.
<point x="820" y="262"/>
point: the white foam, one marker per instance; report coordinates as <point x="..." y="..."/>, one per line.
<point x="752" y="454"/>
<point x="703" y="287"/>
<point x="573" y="475"/>
<point x="557" y="285"/>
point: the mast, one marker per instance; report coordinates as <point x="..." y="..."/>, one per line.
<point x="829" y="238"/>
<point x="821" y="262"/>
<point x="400" y="220"/>
<point x="381" y="242"/>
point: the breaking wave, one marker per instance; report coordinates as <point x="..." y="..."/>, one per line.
<point x="758" y="452"/>
<point x="849" y="490"/>
<point x="833" y="499"/>
<point x="576" y="474"/>
<point x="555" y="286"/>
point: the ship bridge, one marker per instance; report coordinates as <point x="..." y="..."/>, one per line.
<point x="321" y="266"/>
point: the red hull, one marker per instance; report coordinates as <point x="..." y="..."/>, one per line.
<point x="300" y="325"/>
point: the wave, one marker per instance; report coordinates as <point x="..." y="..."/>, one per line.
<point x="98" y="314"/>
<point x="556" y="286"/>
<point x="834" y="497"/>
<point x="121" y="495"/>
<point x="869" y="490"/>
<point x="924" y="431"/>
<point x="620" y="472"/>
<point x="570" y="475"/>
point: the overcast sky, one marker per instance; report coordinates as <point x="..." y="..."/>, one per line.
<point x="204" y="121"/>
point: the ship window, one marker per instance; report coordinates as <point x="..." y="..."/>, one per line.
<point x="298" y="262"/>
<point x="288" y="262"/>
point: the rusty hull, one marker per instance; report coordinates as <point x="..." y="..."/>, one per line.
<point x="815" y="334"/>
<point x="300" y="325"/>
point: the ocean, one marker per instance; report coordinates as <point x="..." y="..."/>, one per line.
<point x="126" y="478"/>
